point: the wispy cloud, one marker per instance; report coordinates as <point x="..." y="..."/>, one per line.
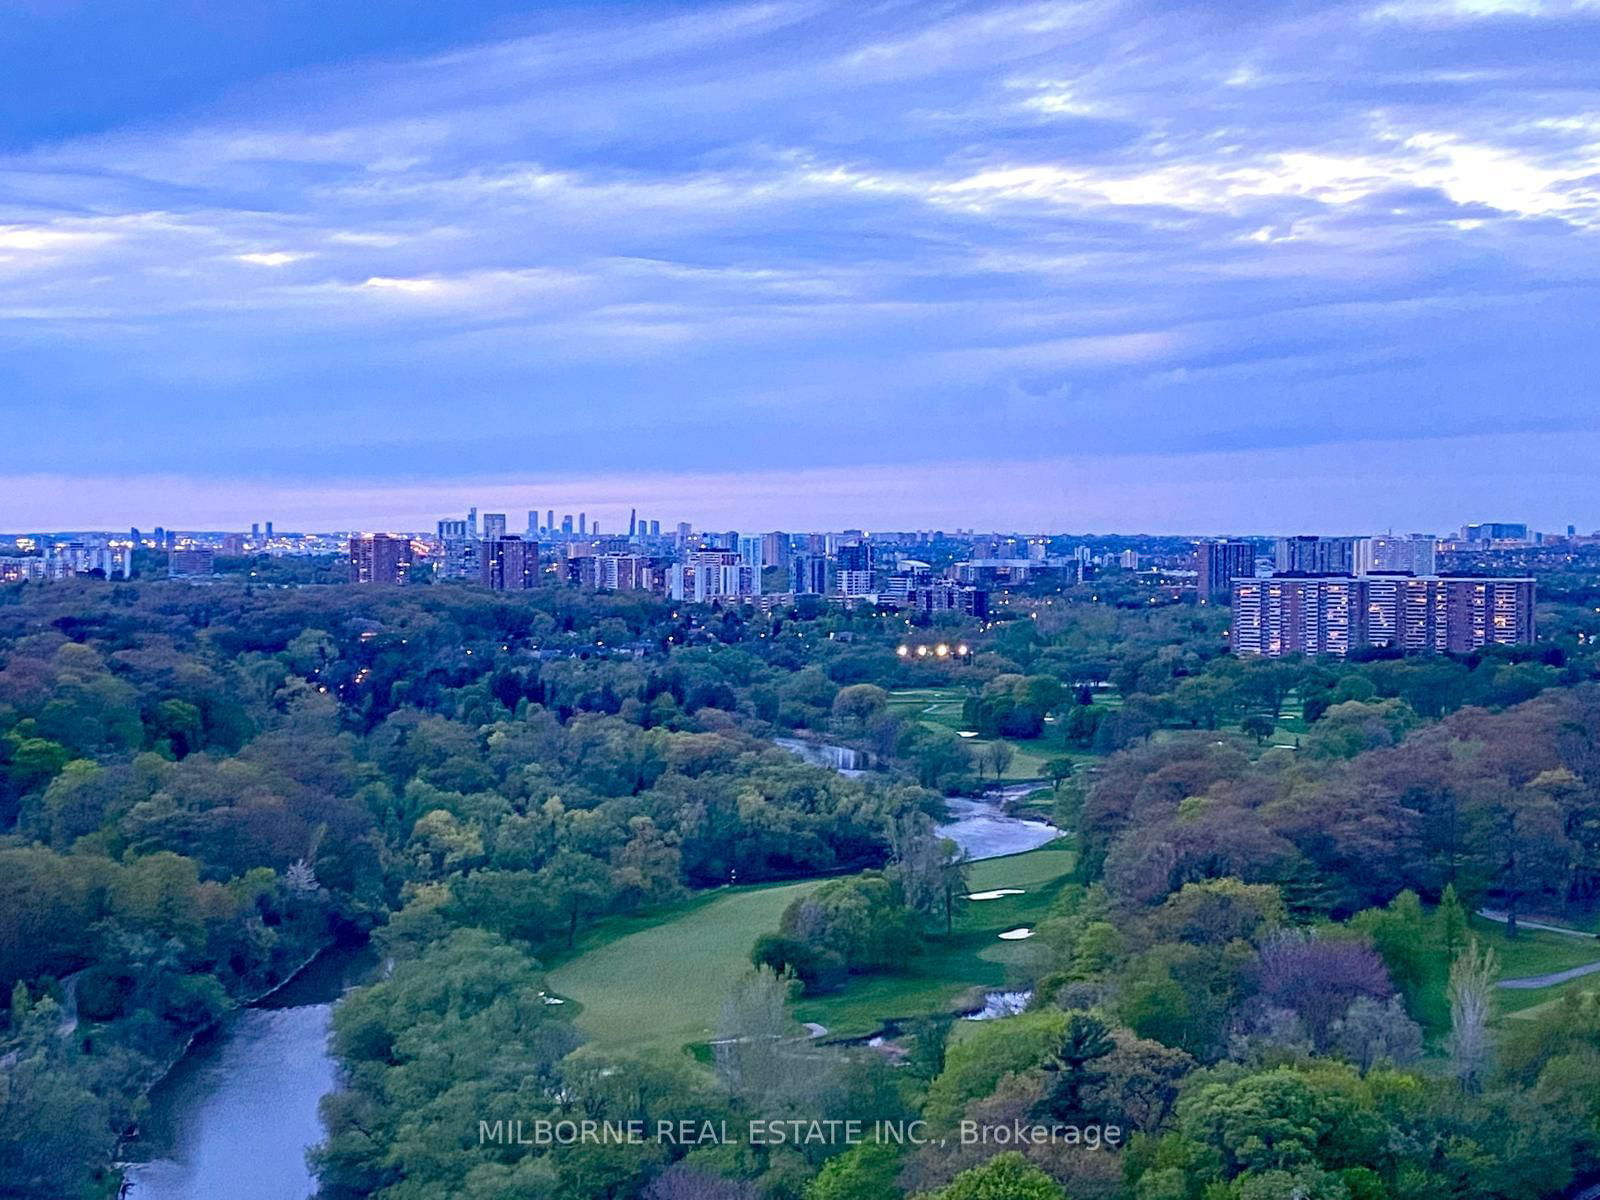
<point x="780" y="233"/>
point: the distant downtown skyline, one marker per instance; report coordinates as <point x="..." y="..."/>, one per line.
<point x="1370" y="489"/>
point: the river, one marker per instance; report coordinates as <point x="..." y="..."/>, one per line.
<point x="235" y="1117"/>
<point x="982" y="829"/>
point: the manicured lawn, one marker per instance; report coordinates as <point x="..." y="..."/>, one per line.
<point x="658" y="981"/>
<point x="1532" y="953"/>
<point x="973" y="956"/>
<point x="941" y="708"/>
<point x="661" y="984"/>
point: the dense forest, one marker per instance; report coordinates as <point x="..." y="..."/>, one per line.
<point x="1265" y="971"/>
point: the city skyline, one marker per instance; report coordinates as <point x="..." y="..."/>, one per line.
<point x="1087" y="496"/>
<point x="1151" y="261"/>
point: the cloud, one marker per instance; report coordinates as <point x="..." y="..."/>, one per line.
<point x="798" y="235"/>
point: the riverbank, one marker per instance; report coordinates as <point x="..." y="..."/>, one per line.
<point x="235" y="1112"/>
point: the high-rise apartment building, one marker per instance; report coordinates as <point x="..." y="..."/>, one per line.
<point x="713" y="575"/>
<point x="191" y="562"/>
<point x="1448" y="614"/>
<point x="1309" y="554"/>
<point x="1386" y="554"/>
<point x="1495" y="531"/>
<point x="751" y="550"/>
<point x="853" y="576"/>
<point x="943" y="595"/>
<point x="1331" y="614"/>
<point x="808" y="574"/>
<point x="494" y="526"/>
<point x="458" y="550"/>
<point x="775" y="550"/>
<point x="1218" y="564"/>
<point x="616" y="572"/>
<point x="510" y="563"/>
<point x="380" y="558"/>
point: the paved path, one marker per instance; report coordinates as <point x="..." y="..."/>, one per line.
<point x="1494" y="914"/>
<point x="1533" y="982"/>
<point x="1529" y="983"/>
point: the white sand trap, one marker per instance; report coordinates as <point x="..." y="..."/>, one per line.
<point x="1016" y="935"/>
<point x="997" y="894"/>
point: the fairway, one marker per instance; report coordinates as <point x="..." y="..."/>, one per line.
<point x="941" y="708"/>
<point x="948" y="968"/>
<point x="663" y="986"/>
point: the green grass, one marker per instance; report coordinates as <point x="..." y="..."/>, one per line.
<point x="1532" y="953"/>
<point x="941" y="708"/>
<point x="972" y="957"/>
<point x="660" y="984"/>
<point x="657" y="981"/>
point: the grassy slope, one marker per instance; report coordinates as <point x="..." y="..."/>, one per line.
<point x="940" y="708"/>
<point x="658" y="982"/>
<point x="661" y="984"/>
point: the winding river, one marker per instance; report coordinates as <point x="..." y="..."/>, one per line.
<point x="235" y="1117"/>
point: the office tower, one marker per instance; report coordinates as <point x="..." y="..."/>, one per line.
<point x="1414" y="555"/>
<point x="1218" y="564"/>
<point x="633" y="522"/>
<point x="494" y="526"/>
<point x="379" y="558"/>
<point x="255" y="531"/>
<point x="509" y="564"/>
<point x="1309" y="554"/>
<point x="191" y="562"/>
<point x="713" y="575"/>
<point x="684" y="530"/>
<point x="550" y="519"/>
<point x="655" y="529"/>
<point x="1287" y="615"/>
<point x="1495" y="531"/>
<point x="808" y="574"/>
<point x="472" y="521"/>
<point x="533" y="523"/>
<point x="269" y="530"/>
<point x="583" y="524"/>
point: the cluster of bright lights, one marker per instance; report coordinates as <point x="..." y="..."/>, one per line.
<point x="942" y="650"/>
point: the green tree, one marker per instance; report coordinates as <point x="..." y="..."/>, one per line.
<point x="1006" y="1176"/>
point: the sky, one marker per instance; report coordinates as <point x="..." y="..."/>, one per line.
<point x="1115" y="265"/>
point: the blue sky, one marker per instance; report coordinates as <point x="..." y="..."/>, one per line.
<point x="1100" y="265"/>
